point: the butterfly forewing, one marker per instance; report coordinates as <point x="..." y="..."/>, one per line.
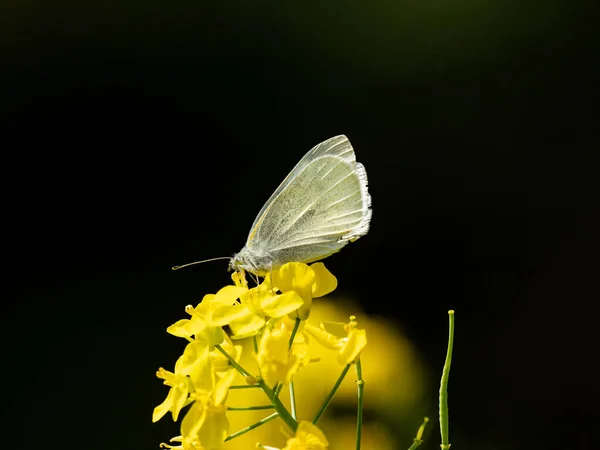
<point x="314" y="213"/>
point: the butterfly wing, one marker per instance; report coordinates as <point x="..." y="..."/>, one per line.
<point x="321" y="206"/>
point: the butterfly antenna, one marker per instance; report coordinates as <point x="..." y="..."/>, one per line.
<point x="199" y="262"/>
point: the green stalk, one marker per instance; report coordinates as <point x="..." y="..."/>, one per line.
<point x="444" y="424"/>
<point x="249" y="408"/>
<point x="360" y="384"/>
<point x="244" y="386"/>
<point x="233" y="362"/>
<point x="331" y="394"/>
<point x="419" y="439"/>
<point x="294" y="331"/>
<point x="293" y="400"/>
<point x="251" y="427"/>
<point x="279" y="407"/>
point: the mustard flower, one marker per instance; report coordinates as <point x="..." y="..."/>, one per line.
<point x="308" y="281"/>
<point x="308" y="437"/>
<point x="277" y="363"/>
<point x="256" y="306"/>
<point x="206" y="421"/>
<point x="181" y="386"/>
<point x="345" y="338"/>
<point x="205" y="324"/>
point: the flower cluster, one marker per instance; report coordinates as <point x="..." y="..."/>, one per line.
<point x="272" y="314"/>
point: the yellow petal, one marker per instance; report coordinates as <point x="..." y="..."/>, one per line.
<point x="203" y="373"/>
<point x="190" y="357"/>
<point x="357" y="340"/>
<point x="211" y="336"/>
<point x="229" y="294"/>
<point x="294" y="277"/>
<point x="222" y="388"/>
<point x="325" y="282"/>
<point x="180" y="395"/>
<point x="179" y="328"/>
<point x="213" y="432"/>
<point x="324" y="338"/>
<point x="247" y="326"/>
<point x="163" y="408"/>
<point x="193" y="421"/>
<point x="281" y="305"/>
<point x="223" y="315"/>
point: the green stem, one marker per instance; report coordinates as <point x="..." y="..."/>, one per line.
<point x="233" y="363"/>
<point x="249" y="408"/>
<point x="279" y="407"/>
<point x="294" y="331"/>
<point x="277" y="389"/>
<point x="244" y="386"/>
<point x="331" y="394"/>
<point x="360" y="384"/>
<point x="444" y="425"/>
<point x="251" y="427"/>
<point x="293" y="400"/>
<point x="419" y="439"/>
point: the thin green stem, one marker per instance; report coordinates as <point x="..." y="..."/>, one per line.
<point x="249" y="408"/>
<point x="279" y="407"/>
<point x="293" y="400"/>
<point x="252" y="427"/>
<point x="277" y="389"/>
<point x="233" y="363"/>
<point x="419" y="439"/>
<point x="360" y="384"/>
<point x="244" y="386"/>
<point x="294" y="331"/>
<point x="444" y="424"/>
<point x="331" y="394"/>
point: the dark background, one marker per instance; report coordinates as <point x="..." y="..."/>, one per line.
<point x="138" y="135"/>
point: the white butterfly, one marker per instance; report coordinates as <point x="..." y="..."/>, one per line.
<point x="321" y="206"/>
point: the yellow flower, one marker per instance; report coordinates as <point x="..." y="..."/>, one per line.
<point x="308" y="281"/>
<point x="205" y="421"/>
<point x="205" y="324"/>
<point x="181" y="386"/>
<point x="346" y="339"/>
<point x="276" y="362"/>
<point x="308" y="437"/>
<point x="256" y="306"/>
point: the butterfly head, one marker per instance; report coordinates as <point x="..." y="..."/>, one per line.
<point x="256" y="262"/>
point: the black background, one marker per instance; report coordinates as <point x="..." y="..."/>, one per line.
<point x="139" y="135"/>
